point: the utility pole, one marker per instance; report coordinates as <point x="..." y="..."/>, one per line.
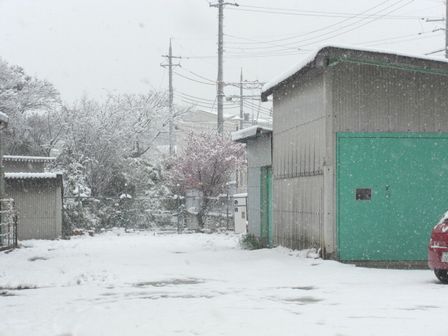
<point x="244" y="84"/>
<point x="170" y="66"/>
<point x="220" y="82"/>
<point x="241" y="101"/>
<point x="446" y="29"/>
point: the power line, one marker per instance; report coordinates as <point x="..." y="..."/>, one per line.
<point x="192" y="79"/>
<point x="204" y="105"/>
<point x="400" y="40"/>
<point x="354" y="28"/>
<point x="295" y="12"/>
<point x="199" y="99"/>
<point x="388" y="39"/>
<point x="254" y="55"/>
<point x="199" y="76"/>
<point x="315" y="30"/>
<point x="283" y="46"/>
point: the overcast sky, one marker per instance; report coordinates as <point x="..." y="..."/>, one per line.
<point x="97" y="46"/>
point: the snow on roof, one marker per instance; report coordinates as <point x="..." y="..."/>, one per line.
<point x="250" y="132"/>
<point x="268" y="87"/>
<point x="21" y="176"/>
<point x="23" y="158"/>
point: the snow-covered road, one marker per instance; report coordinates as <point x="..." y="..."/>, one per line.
<point x="146" y="284"/>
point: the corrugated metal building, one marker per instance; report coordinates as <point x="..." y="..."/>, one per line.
<point x="37" y="195"/>
<point x="258" y="142"/>
<point x="360" y="140"/>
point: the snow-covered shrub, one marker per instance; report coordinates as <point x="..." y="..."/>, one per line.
<point x="251" y="242"/>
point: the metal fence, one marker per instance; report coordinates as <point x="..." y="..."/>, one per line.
<point x="8" y="224"/>
<point x="142" y="212"/>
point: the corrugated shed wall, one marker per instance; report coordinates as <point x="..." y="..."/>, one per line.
<point x="258" y="155"/>
<point x="39" y="206"/>
<point x="298" y="160"/>
<point x="368" y="98"/>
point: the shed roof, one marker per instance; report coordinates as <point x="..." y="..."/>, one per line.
<point x="322" y="55"/>
<point x="250" y="133"/>
<point x="22" y="158"/>
<point x="31" y="176"/>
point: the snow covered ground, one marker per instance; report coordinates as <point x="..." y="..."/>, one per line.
<point x="146" y="284"/>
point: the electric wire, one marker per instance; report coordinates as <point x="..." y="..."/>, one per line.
<point x="296" y="12"/>
<point x="349" y="25"/>
<point x="312" y="31"/>
<point x="199" y="76"/>
<point x="193" y="80"/>
<point x="354" y="28"/>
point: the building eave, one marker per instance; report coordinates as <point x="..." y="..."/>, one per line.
<point x="22" y="158"/>
<point x="32" y="176"/>
<point x="332" y="54"/>
<point x="250" y="133"/>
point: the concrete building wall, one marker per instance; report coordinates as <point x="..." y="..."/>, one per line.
<point x="258" y="155"/>
<point x="299" y="148"/>
<point x="39" y="207"/>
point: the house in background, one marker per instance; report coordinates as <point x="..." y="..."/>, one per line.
<point x="37" y="195"/>
<point x="258" y="142"/>
<point x="197" y="121"/>
<point x="360" y="164"/>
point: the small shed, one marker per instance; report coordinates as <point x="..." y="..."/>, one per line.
<point x="258" y="142"/>
<point x="37" y="195"/>
<point x="360" y="164"/>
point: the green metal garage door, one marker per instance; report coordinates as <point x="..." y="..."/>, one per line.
<point x="392" y="188"/>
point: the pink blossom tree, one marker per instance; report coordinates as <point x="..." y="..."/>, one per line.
<point x="206" y="164"/>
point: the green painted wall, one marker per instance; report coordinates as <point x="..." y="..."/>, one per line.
<point x="407" y="174"/>
<point x="266" y="205"/>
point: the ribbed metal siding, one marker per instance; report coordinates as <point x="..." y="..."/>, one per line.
<point x="39" y="207"/>
<point x="298" y="211"/>
<point x="298" y="159"/>
<point x="368" y="98"/>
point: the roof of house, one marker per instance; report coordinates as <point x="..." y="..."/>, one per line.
<point x="321" y="55"/>
<point x="22" y="158"/>
<point x="23" y="176"/>
<point x="250" y="133"/>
